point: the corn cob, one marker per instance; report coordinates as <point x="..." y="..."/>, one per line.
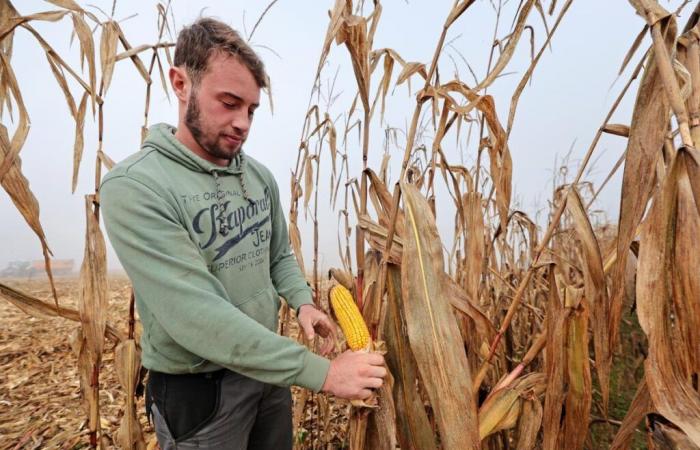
<point x="349" y="318"/>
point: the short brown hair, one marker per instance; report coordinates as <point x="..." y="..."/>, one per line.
<point x="196" y="42"/>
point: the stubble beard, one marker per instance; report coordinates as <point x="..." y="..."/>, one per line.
<point x="209" y="143"/>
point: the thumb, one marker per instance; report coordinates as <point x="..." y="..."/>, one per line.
<point x="309" y="328"/>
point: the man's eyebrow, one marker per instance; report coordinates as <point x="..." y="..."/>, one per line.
<point x="238" y="98"/>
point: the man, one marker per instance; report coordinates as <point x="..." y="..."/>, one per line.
<point x="198" y="226"/>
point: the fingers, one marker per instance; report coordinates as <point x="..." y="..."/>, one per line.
<point x="374" y="359"/>
<point x="375" y="372"/>
<point x="364" y="394"/>
<point x="328" y="346"/>
<point x="375" y="383"/>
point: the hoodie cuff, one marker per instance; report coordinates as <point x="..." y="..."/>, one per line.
<point x="313" y="373"/>
<point x="302" y="297"/>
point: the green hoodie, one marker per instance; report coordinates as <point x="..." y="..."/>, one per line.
<point x="206" y="249"/>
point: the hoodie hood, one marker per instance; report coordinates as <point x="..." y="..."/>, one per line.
<point x="161" y="137"/>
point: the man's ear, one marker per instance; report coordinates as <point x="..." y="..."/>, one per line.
<point x="180" y="83"/>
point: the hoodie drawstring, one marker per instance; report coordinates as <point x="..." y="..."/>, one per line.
<point x="220" y="194"/>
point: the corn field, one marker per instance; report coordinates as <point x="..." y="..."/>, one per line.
<point x="498" y="334"/>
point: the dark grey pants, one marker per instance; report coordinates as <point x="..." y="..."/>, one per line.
<point x="247" y="414"/>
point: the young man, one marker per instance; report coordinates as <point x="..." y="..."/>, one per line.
<point x="198" y="226"/>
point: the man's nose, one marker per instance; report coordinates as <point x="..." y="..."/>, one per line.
<point x="241" y="121"/>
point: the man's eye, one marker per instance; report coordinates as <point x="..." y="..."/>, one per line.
<point x="229" y="105"/>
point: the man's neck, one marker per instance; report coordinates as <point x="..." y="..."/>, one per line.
<point x="184" y="135"/>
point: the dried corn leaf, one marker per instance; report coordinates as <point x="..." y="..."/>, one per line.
<point x="308" y="180"/>
<point x="509" y="49"/>
<point x="382" y="422"/>
<point x="461" y="301"/>
<point x="475" y="245"/>
<point x="529" y="424"/>
<point x="88" y="370"/>
<point x="410" y="69"/>
<point x="353" y="33"/>
<point x="376" y="236"/>
<point x="501" y="163"/>
<point x="127" y="359"/>
<point x="336" y="21"/>
<point x="646" y="138"/>
<point x="11" y="177"/>
<point x="93" y="283"/>
<point x="555" y="365"/>
<point x="386" y="200"/>
<point x="11" y="148"/>
<point x="87" y="52"/>
<point x="295" y="240"/>
<point x="412" y="425"/>
<point x="638" y="409"/>
<point x="108" y="53"/>
<point x="14" y="22"/>
<point x="68" y="4"/>
<point x="578" y="377"/>
<point x="383" y="87"/>
<point x="596" y="291"/>
<point x="62" y="83"/>
<point x="687" y="282"/>
<point x="79" y="141"/>
<point x="671" y="392"/>
<point x="38" y="308"/>
<point x="457" y="10"/>
<point x="432" y="328"/>
<point x="617" y="129"/>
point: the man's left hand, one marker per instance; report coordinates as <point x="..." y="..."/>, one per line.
<point x="314" y="321"/>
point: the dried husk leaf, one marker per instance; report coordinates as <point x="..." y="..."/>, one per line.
<point x="432" y="327"/>
<point x="500" y="411"/>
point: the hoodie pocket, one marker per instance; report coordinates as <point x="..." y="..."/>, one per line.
<point x="262" y="307"/>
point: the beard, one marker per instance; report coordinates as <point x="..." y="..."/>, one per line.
<point x="209" y="141"/>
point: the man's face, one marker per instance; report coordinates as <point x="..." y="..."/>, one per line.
<point x="221" y="106"/>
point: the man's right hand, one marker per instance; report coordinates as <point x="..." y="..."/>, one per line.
<point x="353" y="374"/>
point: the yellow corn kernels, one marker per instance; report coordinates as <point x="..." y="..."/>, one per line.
<point x="349" y="318"/>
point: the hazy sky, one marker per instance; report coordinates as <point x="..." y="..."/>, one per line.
<point x="572" y="89"/>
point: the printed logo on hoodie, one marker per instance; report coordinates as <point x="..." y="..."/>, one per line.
<point x="233" y="224"/>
